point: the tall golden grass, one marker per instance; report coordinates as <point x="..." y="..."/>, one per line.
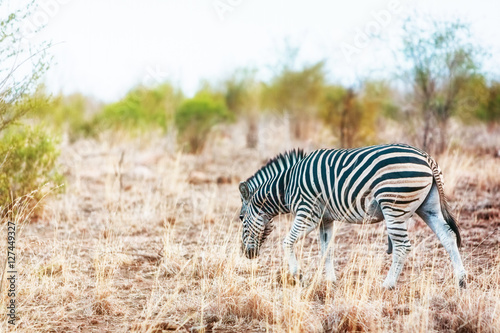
<point x="146" y="239"/>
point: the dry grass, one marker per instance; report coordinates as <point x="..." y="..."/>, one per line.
<point x="148" y="240"/>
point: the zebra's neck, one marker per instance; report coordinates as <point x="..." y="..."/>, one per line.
<point x="270" y="182"/>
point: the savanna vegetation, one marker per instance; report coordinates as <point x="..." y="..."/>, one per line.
<point x="127" y="212"/>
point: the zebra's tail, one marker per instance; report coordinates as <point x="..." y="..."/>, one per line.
<point x="445" y="208"/>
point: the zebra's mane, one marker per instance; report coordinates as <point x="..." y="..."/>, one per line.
<point x="284" y="160"/>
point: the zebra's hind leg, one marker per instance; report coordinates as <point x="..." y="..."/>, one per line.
<point x="398" y="234"/>
<point x="430" y="212"/>
<point x="325" y="235"/>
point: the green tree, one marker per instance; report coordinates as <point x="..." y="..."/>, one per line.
<point x="242" y="96"/>
<point x="28" y="154"/>
<point x="379" y="96"/>
<point x="440" y="57"/>
<point x="353" y="115"/>
<point x="142" y="109"/>
<point x="489" y="110"/>
<point x="29" y="159"/>
<point x="65" y="114"/>
<point x="196" y="117"/>
<point x="21" y="66"/>
<point x="298" y="93"/>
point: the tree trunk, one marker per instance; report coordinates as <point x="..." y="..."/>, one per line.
<point x="297" y="129"/>
<point x="342" y="128"/>
<point x="427" y="128"/>
<point x="443" y="130"/>
<point x="252" y="134"/>
<point x="345" y="130"/>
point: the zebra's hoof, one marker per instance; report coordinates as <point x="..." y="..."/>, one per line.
<point x="462" y="279"/>
<point x="389" y="285"/>
<point x="287" y="279"/>
<point x="332" y="282"/>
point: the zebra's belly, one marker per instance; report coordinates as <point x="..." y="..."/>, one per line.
<point x="371" y="213"/>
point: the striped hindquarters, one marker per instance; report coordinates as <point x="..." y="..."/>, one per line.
<point x="445" y="209"/>
<point x="347" y="182"/>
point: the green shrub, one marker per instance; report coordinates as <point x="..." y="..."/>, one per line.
<point x="489" y="110"/>
<point x="298" y="93"/>
<point x="29" y="157"/>
<point x="62" y="114"/>
<point x="353" y="115"/>
<point x="195" y="118"/>
<point x="140" y="110"/>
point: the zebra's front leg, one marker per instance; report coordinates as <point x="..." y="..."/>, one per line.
<point x="293" y="264"/>
<point x="398" y="234"/>
<point x="301" y="227"/>
<point x="326" y="234"/>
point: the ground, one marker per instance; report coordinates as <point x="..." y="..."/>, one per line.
<point x="145" y="239"/>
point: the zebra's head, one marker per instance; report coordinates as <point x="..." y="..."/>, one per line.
<point x="256" y="217"/>
<point x="262" y="198"/>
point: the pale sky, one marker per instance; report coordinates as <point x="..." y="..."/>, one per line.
<point x="105" y="47"/>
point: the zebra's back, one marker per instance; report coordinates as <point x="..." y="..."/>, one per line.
<point x="354" y="184"/>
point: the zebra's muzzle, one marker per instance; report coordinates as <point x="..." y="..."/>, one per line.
<point x="251" y="252"/>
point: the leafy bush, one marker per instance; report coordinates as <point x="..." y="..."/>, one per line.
<point x="342" y="112"/>
<point x="140" y="110"/>
<point x="243" y="98"/>
<point x="71" y="114"/>
<point x="489" y="110"/>
<point x="27" y="155"/>
<point x="298" y="93"/>
<point x="440" y="58"/>
<point x="63" y="114"/>
<point x="21" y="64"/>
<point x="196" y="117"/>
<point x="28" y="162"/>
<point x="353" y="115"/>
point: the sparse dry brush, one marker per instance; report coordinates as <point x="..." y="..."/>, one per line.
<point x="147" y="240"/>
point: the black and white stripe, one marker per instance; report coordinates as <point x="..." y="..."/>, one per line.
<point x="363" y="185"/>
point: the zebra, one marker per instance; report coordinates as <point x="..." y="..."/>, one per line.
<point x="363" y="185"/>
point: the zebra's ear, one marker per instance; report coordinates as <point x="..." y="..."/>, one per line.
<point x="245" y="191"/>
